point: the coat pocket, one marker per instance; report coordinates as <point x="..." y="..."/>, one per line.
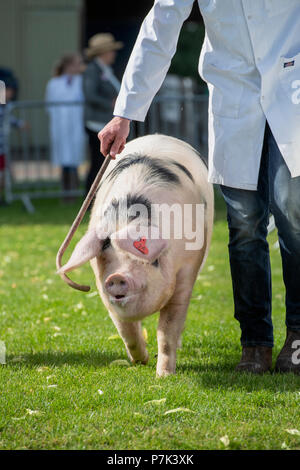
<point x="290" y="80"/>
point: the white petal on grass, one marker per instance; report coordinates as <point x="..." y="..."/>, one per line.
<point x="56" y="328"/>
<point x="179" y="410"/>
<point x="52" y="386"/>
<point x="120" y="362"/>
<point x="161" y="401"/>
<point x="284" y="446"/>
<point x="100" y="392"/>
<point x="225" y="440"/>
<point x="293" y="432"/>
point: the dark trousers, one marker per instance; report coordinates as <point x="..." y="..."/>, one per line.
<point x="248" y="216"/>
<point x="96" y="158"/>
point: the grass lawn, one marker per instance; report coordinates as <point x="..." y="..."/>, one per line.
<point x="61" y="389"/>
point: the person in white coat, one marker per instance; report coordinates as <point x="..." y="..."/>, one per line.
<point x="67" y="133"/>
<point x="251" y="61"/>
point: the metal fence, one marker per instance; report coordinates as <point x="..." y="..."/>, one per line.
<point x="29" y="173"/>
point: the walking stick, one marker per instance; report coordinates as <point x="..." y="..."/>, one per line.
<point x="76" y="224"/>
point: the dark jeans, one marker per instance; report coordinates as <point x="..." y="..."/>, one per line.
<point x="96" y="158"/>
<point x="248" y="216"/>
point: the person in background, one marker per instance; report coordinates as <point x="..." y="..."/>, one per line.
<point x="66" y="122"/>
<point x="10" y="94"/>
<point x="101" y="88"/>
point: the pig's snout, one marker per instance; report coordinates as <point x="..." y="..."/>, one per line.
<point x="117" y="285"/>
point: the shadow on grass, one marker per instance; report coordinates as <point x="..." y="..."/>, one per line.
<point x="59" y="359"/>
<point x="222" y="376"/>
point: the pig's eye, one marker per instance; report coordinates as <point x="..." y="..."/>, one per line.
<point x="106" y="244"/>
<point x="156" y="263"/>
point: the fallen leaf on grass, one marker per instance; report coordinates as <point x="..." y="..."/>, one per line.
<point x="145" y="334"/>
<point x="92" y="294"/>
<point x="161" y="401"/>
<point x="33" y="412"/>
<point x="113" y="337"/>
<point x="79" y="306"/>
<point x="177" y="410"/>
<point x="225" y="440"/>
<point x="139" y="415"/>
<point x="120" y="362"/>
<point x="207" y="283"/>
<point x="198" y="297"/>
<point x="294" y="432"/>
<point x="42" y="369"/>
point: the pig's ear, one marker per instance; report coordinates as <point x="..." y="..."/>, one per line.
<point x="141" y="241"/>
<point x="86" y="249"/>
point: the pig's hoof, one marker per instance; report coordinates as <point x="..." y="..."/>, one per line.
<point x="164" y="373"/>
<point x="143" y="360"/>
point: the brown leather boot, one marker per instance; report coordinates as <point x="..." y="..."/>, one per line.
<point x="255" y="359"/>
<point x="288" y="359"/>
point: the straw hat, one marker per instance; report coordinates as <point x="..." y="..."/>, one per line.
<point x="101" y="43"/>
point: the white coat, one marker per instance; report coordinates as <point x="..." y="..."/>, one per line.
<point x="251" y="61"/>
<point x="67" y="133"/>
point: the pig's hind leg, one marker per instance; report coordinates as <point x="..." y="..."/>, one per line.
<point x="132" y="336"/>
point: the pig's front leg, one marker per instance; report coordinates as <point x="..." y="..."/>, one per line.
<point x="132" y="335"/>
<point x="171" y="323"/>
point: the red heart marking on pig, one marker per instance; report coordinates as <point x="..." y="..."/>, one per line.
<point x="141" y="245"/>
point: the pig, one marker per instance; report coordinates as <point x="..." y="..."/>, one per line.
<point x="138" y="269"/>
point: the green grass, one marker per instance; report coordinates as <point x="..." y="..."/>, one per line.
<point x="57" y="336"/>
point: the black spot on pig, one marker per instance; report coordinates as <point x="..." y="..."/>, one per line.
<point x="156" y="169"/>
<point x="184" y="169"/>
<point x="118" y="206"/>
